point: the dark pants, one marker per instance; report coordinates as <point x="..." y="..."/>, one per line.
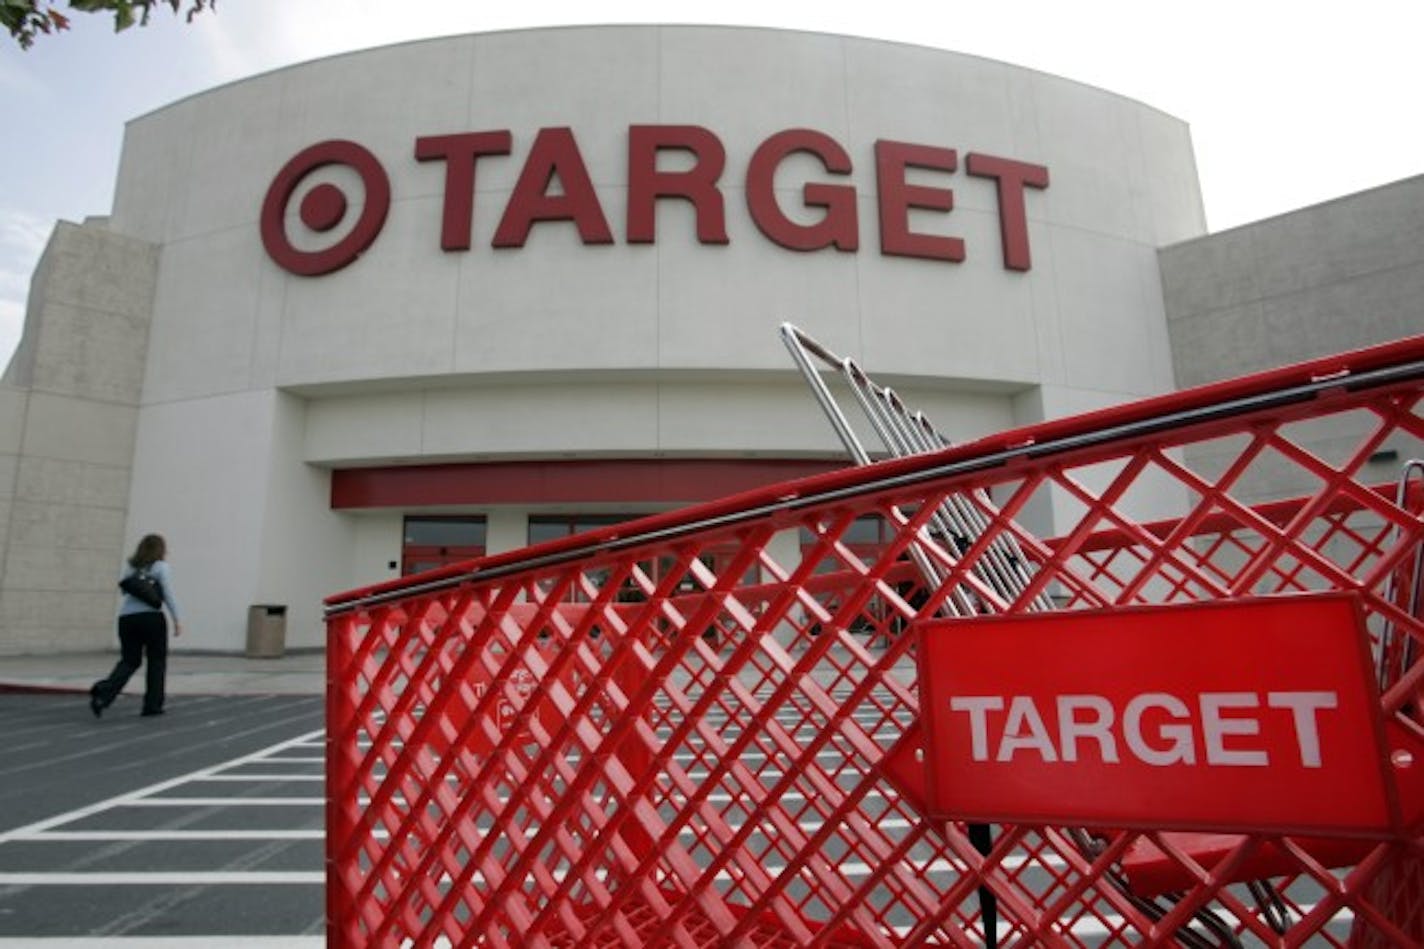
<point x="139" y="633"/>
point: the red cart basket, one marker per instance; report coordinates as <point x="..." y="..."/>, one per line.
<point x="809" y="716"/>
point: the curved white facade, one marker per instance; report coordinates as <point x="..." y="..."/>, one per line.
<point x="258" y="383"/>
<point x="194" y="176"/>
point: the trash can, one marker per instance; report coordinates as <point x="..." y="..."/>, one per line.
<point x="266" y="631"/>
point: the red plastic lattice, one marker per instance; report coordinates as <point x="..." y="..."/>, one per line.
<point x="675" y="732"/>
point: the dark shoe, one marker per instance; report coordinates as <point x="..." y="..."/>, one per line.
<point x="95" y="705"/>
<point x="150" y="711"/>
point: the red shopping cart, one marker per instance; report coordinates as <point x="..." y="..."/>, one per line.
<point x="1191" y="716"/>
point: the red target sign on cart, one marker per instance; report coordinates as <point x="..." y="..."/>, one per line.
<point x="1229" y="715"/>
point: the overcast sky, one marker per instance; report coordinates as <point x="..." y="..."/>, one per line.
<point x="1290" y="103"/>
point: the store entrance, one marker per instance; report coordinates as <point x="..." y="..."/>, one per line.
<point x="434" y="541"/>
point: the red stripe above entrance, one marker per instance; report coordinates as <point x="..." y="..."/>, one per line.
<point x="661" y="481"/>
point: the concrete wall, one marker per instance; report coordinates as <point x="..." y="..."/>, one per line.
<point x="749" y="415"/>
<point x="376" y="545"/>
<point x="68" y="410"/>
<point x="1321" y="280"/>
<point x="247" y="523"/>
<point x="407" y="315"/>
<point x="1325" y="279"/>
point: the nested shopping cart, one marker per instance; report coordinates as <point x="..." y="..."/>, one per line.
<point x="875" y="708"/>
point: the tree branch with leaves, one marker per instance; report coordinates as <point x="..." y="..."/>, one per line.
<point x="27" y="19"/>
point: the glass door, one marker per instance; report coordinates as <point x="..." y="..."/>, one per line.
<point x="431" y="542"/>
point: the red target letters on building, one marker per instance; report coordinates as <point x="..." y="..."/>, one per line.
<point x="554" y="186"/>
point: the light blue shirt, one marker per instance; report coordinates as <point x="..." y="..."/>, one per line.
<point x="160" y="571"/>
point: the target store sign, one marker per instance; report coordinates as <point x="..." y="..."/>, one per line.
<point x="1256" y="714"/>
<point x="915" y="184"/>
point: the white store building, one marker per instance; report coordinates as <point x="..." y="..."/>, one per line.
<point x="405" y="306"/>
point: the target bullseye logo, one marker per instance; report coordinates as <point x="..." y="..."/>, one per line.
<point x="325" y="207"/>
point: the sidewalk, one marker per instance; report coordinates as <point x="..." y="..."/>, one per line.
<point x="301" y="673"/>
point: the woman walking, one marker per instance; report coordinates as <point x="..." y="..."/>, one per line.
<point x="143" y="629"/>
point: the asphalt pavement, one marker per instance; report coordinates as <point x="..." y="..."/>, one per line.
<point x="300" y="673"/>
<point x="202" y="828"/>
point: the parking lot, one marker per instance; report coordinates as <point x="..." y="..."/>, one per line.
<point x="202" y="827"/>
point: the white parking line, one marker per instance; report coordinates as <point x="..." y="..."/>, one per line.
<point x="279" y="759"/>
<point x="163" y="942"/>
<point x="165" y="878"/>
<point x="263" y="777"/>
<point x="29" y="831"/>
<point x="98" y="835"/>
<point x="223" y="802"/>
